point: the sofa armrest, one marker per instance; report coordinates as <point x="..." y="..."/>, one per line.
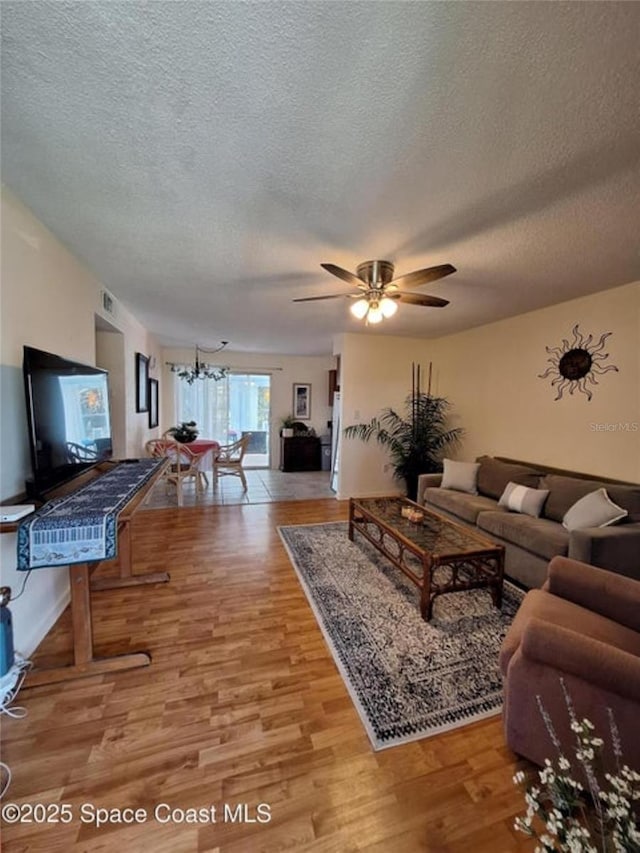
<point x="591" y="660"/>
<point x="607" y="593"/>
<point x="427" y="481"/>
<point x="616" y="547"/>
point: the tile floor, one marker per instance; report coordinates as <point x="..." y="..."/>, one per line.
<point x="264" y="486"/>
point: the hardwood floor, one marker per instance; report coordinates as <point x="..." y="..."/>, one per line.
<point x="242" y="705"/>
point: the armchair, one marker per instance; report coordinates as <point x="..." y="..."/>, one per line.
<point x="581" y="629"/>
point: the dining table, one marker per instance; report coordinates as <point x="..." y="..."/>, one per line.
<point x="208" y="447"/>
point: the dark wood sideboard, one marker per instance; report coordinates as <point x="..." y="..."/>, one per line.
<point x="300" y="453"/>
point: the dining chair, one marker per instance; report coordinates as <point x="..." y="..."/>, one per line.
<point x="227" y="462"/>
<point x="184" y="463"/>
<point x="81" y="452"/>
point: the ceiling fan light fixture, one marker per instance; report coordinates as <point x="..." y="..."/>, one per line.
<point x="388" y="306"/>
<point x="378" y="292"/>
<point x="375" y="314"/>
<point x="359" y="309"/>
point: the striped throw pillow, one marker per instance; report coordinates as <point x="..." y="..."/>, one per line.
<point x="522" y="499"/>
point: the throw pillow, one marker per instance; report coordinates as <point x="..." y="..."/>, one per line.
<point x="460" y="476"/>
<point x="593" y="510"/>
<point x="494" y="475"/>
<point x="522" y="499"/>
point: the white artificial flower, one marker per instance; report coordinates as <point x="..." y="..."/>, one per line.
<point x="547" y="775"/>
<point x="617" y="816"/>
<point x="552" y="825"/>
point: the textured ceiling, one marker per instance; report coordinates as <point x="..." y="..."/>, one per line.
<point x="204" y="158"/>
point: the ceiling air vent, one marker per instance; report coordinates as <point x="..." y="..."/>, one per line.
<point x="107" y="302"/>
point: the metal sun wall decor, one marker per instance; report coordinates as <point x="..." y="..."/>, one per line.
<point x="576" y="363"/>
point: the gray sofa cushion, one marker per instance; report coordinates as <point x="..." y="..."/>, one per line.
<point x="538" y="535"/>
<point x="617" y="545"/>
<point x="461" y="504"/>
<point x="493" y="476"/>
<point x="565" y="491"/>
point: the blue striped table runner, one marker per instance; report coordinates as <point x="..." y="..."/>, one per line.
<point x="82" y="527"/>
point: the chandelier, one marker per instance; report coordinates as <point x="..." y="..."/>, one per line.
<point x="200" y="369"/>
<point x="373" y="307"/>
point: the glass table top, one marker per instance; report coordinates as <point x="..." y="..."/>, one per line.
<point x="434" y="534"/>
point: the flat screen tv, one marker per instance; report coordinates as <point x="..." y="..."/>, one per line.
<point x="68" y="418"/>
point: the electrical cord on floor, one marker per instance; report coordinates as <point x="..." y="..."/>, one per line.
<point x="24" y="583"/>
<point x="7" y="772"/>
<point x="10" y="685"/>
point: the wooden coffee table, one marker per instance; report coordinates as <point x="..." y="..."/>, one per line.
<point x="437" y="554"/>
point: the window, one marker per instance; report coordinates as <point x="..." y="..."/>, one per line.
<point x="227" y="409"/>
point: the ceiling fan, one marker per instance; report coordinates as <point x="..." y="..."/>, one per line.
<point x="379" y="292"/>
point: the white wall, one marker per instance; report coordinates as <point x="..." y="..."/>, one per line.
<point x="285" y="371"/>
<point x="49" y="300"/>
<point x="375" y="373"/>
<point x="490" y="377"/>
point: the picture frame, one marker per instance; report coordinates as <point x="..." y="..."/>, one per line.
<point x="142" y="383"/>
<point x="153" y="403"/>
<point x="301" y="401"/>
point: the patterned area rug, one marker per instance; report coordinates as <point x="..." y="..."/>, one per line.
<point x="408" y="679"/>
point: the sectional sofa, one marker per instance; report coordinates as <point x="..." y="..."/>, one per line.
<point x="530" y="542"/>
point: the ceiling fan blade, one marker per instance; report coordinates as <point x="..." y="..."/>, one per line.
<point x="316" y="298"/>
<point x="345" y="275"/>
<point x="418" y="277"/>
<point x="420" y="299"/>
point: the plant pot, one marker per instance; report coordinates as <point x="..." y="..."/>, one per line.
<point x="185" y="438"/>
<point x="287" y="432"/>
<point x="411" y="481"/>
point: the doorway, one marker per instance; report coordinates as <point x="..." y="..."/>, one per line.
<point x="230" y="408"/>
<point x="110" y="355"/>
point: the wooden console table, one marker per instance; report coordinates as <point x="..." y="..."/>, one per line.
<point x="80" y="585"/>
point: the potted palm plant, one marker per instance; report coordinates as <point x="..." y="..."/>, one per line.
<point x="417" y="440"/>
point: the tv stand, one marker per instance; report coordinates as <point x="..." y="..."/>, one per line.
<point x="81" y="585"/>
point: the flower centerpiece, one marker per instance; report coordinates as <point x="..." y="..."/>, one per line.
<point x="596" y="813"/>
<point x="185" y="432"/>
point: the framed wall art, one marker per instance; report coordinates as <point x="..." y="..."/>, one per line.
<point x="142" y="383"/>
<point x="153" y="403"/>
<point x="301" y="401"/>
